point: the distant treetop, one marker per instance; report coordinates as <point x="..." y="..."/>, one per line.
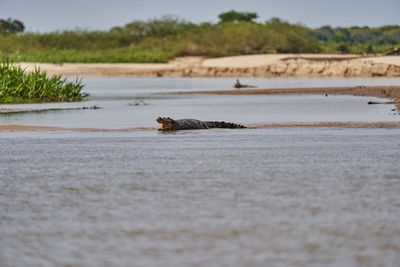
<point x="11" y="26"/>
<point x="233" y="16"/>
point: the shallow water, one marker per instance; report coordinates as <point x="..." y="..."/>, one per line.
<point x="132" y="102"/>
<point x="218" y="197"/>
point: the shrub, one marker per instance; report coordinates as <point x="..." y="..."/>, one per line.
<point x="19" y="86"/>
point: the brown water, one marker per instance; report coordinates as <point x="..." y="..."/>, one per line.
<point x="243" y="197"/>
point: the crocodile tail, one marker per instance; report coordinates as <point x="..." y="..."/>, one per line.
<point x="222" y="124"/>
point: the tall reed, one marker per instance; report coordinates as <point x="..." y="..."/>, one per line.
<point x="19" y="86"/>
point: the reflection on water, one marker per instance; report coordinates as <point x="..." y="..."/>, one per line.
<point x="247" y="197"/>
<point x="275" y="197"/>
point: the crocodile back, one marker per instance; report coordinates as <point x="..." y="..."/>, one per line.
<point x="190" y="124"/>
<point x="222" y="124"/>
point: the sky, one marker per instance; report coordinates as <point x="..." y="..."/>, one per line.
<point x="60" y="15"/>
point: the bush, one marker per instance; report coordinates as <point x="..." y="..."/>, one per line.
<point x="343" y="48"/>
<point x="18" y="86"/>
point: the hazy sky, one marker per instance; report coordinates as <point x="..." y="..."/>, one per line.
<point x="53" y="15"/>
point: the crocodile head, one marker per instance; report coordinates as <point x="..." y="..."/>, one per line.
<point x="167" y="124"/>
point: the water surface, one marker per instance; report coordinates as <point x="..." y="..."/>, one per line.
<point x="276" y="197"/>
<point x="218" y="197"/>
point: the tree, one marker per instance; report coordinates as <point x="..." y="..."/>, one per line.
<point x="343" y="48"/>
<point x="233" y="16"/>
<point x="364" y="35"/>
<point x="11" y="26"/>
<point x="342" y="35"/>
<point x="324" y="33"/>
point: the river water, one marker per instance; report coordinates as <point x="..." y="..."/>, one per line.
<point x="243" y="197"/>
<point x="136" y="102"/>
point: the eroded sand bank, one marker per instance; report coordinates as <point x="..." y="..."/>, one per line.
<point x="270" y="65"/>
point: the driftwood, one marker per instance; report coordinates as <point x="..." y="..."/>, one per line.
<point x="394" y="50"/>
<point x="138" y="103"/>
<point x="239" y="85"/>
<point x="376" y="103"/>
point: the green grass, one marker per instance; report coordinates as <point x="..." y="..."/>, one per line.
<point x="122" y="55"/>
<point x="19" y="86"/>
<point x="96" y="56"/>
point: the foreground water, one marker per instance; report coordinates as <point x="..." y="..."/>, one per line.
<point x="243" y="197"/>
<point x="280" y="197"/>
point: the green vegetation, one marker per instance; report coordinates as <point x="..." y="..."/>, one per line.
<point x="160" y="40"/>
<point x="233" y="16"/>
<point x="11" y="26"/>
<point x="17" y="86"/>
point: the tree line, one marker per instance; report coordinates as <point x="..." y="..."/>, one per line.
<point x="158" y="40"/>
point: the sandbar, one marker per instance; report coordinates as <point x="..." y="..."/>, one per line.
<point x="388" y="92"/>
<point x="32" y="128"/>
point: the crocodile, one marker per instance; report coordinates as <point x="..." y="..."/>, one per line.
<point x="168" y="124"/>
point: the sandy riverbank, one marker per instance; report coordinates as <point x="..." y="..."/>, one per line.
<point x="271" y="65"/>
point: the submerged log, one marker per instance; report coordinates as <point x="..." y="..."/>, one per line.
<point x="376" y="103"/>
<point x="394" y="50"/>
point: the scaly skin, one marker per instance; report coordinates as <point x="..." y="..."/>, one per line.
<point x="168" y="124"/>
